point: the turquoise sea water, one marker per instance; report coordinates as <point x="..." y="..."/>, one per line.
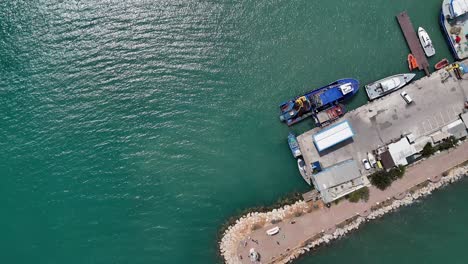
<point x="131" y="130"/>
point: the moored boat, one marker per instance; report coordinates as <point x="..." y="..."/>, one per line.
<point x="301" y="107"/>
<point x="273" y="231"/>
<point x="412" y="62"/>
<point x="453" y="21"/>
<point x="441" y="64"/>
<point x="302" y="170"/>
<point x="329" y="115"/>
<point x="426" y="42"/>
<point x="387" y="85"/>
<point x="294" y="145"/>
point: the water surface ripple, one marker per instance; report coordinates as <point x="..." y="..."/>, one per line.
<point x="131" y="130"/>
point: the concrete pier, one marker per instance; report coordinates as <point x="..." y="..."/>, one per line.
<point x="436" y="104"/>
<point x="377" y="123"/>
<point x="413" y="41"/>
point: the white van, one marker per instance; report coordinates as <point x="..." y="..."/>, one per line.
<point x="406" y="97"/>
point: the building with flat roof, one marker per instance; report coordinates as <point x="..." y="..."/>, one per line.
<point x="339" y="180"/>
<point x="456" y="129"/>
<point x="333" y="135"/>
<point x="421" y="142"/>
<point x="401" y="150"/>
<point x="387" y="160"/>
<point x="464" y="118"/>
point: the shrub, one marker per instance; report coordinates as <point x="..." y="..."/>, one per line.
<point x="337" y="201"/>
<point x="428" y="150"/>
<point x="364" y="194"/>
<point x="381" y="179"/>
<point x="447" y="143"/>
<point x="361" y="194"/>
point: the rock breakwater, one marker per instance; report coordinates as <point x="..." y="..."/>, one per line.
<point x="238" y="232"/>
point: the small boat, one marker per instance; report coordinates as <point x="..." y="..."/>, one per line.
<point x="412" y="62"/>
<point x="387" y="85"/>
<point x="371" y="159"/>
<point x="426" y="42"/>
<point x="302" y="170"/>
<point x="294" y="145"/>
<point x="303" y="106"/>
<point x="273" y="231"/>
<point x="441" y="64"/>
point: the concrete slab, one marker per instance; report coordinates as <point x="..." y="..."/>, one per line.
<point x="435" y="104"/>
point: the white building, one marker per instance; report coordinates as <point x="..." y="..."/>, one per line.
<point x="338" y="180"/>
<point x="401" y="150"/>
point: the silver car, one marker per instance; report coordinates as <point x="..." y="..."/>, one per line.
<point x="366" y="163"/>
<point x="406" y="97"/>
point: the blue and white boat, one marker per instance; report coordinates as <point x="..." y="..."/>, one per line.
<point x="294" y="145"/>
<point x="303" y="106"/>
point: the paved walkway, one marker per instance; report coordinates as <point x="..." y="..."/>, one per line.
<point x="309" y="225"/>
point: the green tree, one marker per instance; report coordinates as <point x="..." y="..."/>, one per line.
<point x="361" y="194"/>
<point x="428" y="150"/>
<point x="381" y="179"/>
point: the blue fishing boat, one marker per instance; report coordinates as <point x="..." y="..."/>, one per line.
<point x="301" y="107"/>
<point x="294" y="145"/>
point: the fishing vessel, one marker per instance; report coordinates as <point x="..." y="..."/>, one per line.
<point x="303" y="106"/>
<point x="302" y="170"/>
<point x="426" y="42"/>
<point x="387" y="85"/>
<point x="294" y="145"/>
<point x="441" y="64"/>
<point x="454" y="22"/>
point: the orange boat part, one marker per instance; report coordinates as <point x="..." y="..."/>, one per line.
<point x="412" y="62"/>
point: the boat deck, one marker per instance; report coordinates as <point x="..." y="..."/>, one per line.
<point x="331" y="95"/>
<point x="458" y="25"/>
<point x="376" y="92"/>
<point x="413" y="41"/>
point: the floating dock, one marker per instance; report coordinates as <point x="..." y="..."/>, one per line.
<point x="413" y="41"/>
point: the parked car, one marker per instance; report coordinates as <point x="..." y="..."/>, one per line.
<point x="366" y="163"/>
<point x="406" y="97"/>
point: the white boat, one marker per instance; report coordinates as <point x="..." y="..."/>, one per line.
<point x="302" y="169"/>
<point x="426" y="42"/>
<point x="387" y="85"/>
<point x="273" y="231"/>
